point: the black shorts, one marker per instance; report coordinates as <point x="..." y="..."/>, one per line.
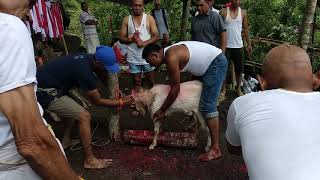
<point x="235" y="55"/>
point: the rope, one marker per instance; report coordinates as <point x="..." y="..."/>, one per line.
<point x="95" y="141"/>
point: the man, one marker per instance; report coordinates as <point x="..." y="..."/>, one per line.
<point x="89" y="25"/>
<point x="161" y="18"/>
<point x="199" y="59"/>
<point x="208" y="26"/>
<point x="28" y="150"/>
<point x="278" y="128"/>
<point x="137" y="31"/>
<point x="57" y="77"/>
<point x="236" y="21"/>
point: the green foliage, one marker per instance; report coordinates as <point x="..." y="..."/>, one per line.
<point x="73" y="10"/>
<point x="275" y="19"/>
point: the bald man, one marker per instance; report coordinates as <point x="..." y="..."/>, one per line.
<point x="278" y="128"/>
<point x="28" y="150"/>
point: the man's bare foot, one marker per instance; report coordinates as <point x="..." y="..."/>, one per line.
<point x="95" y="163"/>
<point x="212" y="154"/>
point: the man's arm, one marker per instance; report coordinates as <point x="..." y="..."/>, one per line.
<point x="123" y="36"/>
<point x="153" y="32"/>
<point x="174" y="76"/>
<point x="232" y="135"/>
<point x="90" y="22"/>
<point x="33" y="139"/>
<point x="223" y="41"/>
<point x="246" y="31"/>
<point x="97" y="100"/>
<point x="85" y="18"/>
<point x="220" y="27"/>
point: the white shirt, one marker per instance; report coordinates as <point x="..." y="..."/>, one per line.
<point x="134" y="53"/>
<point x="201" y="56"/>
<point x="17" y="68"/>
<point x="279" y="132"/>
<point x="88" y="30"/>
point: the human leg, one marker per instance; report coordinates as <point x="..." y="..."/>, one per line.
<point x="238" y="67"/>
<point x="136" y="71"/>
<point x="67" y="108"/>
<point x="223" y="93"/>
<point x="91" y="43"/>
<point x="212" y="84"/>
<point x="149" y="72"/>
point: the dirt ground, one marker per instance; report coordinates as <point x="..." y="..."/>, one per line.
<point x="138" y="162"/>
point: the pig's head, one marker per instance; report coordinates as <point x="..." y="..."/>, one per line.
<point x="143" y="101"/>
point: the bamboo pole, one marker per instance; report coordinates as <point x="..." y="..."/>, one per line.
<point x="65" y="45"/>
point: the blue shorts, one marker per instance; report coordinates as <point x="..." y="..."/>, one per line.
<point x="136" y="69"/>
<point x="212" y="82"/>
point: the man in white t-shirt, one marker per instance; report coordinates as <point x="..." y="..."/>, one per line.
<point x="89" y="26"/>
<point x="27" y="148"/>
<point x="278" y="128"/>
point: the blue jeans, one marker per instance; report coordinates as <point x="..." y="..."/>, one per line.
<point x="137" y="69"/>
<point x="212" y="82"/>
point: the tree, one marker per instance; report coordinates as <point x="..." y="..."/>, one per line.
<point x="185" y="19"/>
<point x="307" y="23"/>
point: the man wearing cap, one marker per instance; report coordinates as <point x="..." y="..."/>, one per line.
<point x="60" y="75"/>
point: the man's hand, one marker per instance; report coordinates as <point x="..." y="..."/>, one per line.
<point x="32" y="137"/>
<point x="136" y="36"/>
<point x="141" y="43"/>
<point x="159" y="115"/>
<point x="128" y="100"/>
<point x="131" y="39"/>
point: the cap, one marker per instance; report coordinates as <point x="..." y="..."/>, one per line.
<point x="107" y="57"/>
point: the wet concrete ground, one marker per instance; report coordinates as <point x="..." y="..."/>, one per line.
<point x="138" y="162"/>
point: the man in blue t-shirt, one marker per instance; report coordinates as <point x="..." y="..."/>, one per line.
<point x="56" y="78"/>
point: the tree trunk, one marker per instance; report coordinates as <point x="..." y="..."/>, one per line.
<point x="113" y="113"/>
<point x="307" y="23"/>
<point x="185" y="19"/>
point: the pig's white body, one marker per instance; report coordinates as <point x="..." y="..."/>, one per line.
<point x="187" y="102"/>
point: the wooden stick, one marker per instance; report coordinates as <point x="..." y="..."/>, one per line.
<point x="65" y="45"/>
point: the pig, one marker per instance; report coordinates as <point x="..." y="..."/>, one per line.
<point x="187" y="102"/>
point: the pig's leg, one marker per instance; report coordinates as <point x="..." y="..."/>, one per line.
<point x="157" y="125"/>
